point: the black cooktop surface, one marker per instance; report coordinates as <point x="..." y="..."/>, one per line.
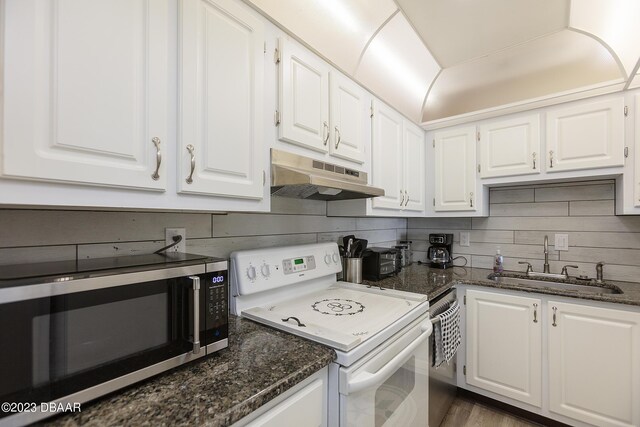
<point x="33" y="273"/>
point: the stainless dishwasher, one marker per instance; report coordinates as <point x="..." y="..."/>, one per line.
<point x="442" y="380"/>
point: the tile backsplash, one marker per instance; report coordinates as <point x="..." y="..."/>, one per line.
<point x="53" y="235"/>
<point x="521" y="216"/>
<point x="519" y="219"/>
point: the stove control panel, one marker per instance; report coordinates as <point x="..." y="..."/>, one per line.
<point x="260" y="270"/>
<point x="295" y="265"/>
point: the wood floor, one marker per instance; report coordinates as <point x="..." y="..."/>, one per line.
<point x="465" y="412"/>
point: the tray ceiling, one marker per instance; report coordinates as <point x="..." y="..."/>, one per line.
<point x="436" y="59"/>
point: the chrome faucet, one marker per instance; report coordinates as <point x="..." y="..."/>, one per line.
<point x="546" y="254"/>
<point x="599" y="272"/>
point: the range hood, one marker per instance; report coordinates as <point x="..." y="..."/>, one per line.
<point x="305" y="178"/>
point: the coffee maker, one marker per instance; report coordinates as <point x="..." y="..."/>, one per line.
<point x="440" y="254"/>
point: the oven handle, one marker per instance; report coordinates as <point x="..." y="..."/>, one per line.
<point x="367" y="379"/>
<point x="196" y="313"/>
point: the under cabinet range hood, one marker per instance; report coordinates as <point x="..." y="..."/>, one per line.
<point x="305" y="178"/>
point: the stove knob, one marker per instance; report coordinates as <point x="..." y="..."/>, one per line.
<point x="336" y="258"/>
<point x="327" y="259"/>
<point x="251" y="272"/>
<point x="265" y="270"/>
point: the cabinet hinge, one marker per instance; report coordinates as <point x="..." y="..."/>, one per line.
<point x="276" y="118"/>
<point x="478" y="167"/>
<point x="434" y="143"/>
<point x="276" y="56"/>
<point x="626" y="110"/>
<point x="265" y="47"/>
<point x="371" y="109"/>
<point x="464" y="300"/>
<point x="464" y="370"/>
<point x="478" y="135"/>
<point x="626" y="152"/>
<point x="264" y="177"/>
<point x="434" y="201"/>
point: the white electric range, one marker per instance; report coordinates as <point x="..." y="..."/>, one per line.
<point x="380" y="336"/>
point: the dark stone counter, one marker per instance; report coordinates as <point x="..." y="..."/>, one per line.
<point x="259" y="364"/>
<point x="420" y="278"/>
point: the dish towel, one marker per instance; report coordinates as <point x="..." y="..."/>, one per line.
<point x="447" y="335"/>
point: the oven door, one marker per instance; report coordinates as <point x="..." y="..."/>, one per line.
<point x="67" y="337"/>
<point x="390" y="388"/>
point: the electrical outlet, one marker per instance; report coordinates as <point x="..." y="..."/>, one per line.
<point x="464" y="238"/>
<point x="169" y="233"/>
<point x="561" y="242"/>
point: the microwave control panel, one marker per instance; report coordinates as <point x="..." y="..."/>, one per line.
<point x="296" y="265"/>
<point x="217" y="297"/>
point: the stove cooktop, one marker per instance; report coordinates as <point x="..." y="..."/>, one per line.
<point x="341" y="316"/>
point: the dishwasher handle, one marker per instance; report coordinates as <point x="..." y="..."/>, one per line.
<point x="367" y="379"/>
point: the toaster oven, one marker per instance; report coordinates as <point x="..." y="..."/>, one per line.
<point x="380" y="263"/>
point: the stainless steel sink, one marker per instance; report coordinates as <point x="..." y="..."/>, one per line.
<point x="557" y="284"/>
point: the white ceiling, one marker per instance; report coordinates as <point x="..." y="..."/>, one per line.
<point x="434" y="59"/>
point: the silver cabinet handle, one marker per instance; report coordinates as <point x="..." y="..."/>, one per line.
<point x="325" y="133"/>
<point x="407" y="194"/>
<point x="156" y="142"/>
<point x="191" y="149"/>
<point x="471" y="199"/>
<point x="338" y="137"/>
<point x="196" y="313"/>
<point x="535" y="313"/>
<point x="551" y="158"/>
<point x="533" y="155"/>
<point x="554" y="324"/>
<point x="402" y="195"/>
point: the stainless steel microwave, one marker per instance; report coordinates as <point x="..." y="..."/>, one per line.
<point x="74" y="331"/>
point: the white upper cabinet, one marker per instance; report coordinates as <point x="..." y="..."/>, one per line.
<point x="455" y="169"/>
<point x="221" y="92"/>
<point x="85" y="92"/>
<point x="349" y="118"/>
<point x="304" y="97"/>
<point x="386" y="147"/>
<point x="584" y="136"/>
<point x="505" y="328"/>
<point x="594" y="374"/>
<point x="510" y="147"/>
<point x="414" y="167"/>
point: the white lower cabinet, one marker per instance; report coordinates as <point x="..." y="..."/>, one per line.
<point x="594" y="364"/>
<point x="303" y="405"/>
<point x="504" y="345"/>
<point x="577" y="363"/>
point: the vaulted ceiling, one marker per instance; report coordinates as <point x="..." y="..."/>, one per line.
<point x="437" y="59"/>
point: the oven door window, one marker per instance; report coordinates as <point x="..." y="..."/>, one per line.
<point x="59" y="345"/>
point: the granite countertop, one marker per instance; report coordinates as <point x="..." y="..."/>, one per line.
<point x="259" y="364"/>
<point x="422" y="279"/>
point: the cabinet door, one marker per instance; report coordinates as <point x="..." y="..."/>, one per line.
<point x="586" y="136"/>
<point x="594" y="374"/>
<point x="304" y="98"/>
<point x="84" y="103"/>
<point x="349" y="119"/>
<point x="510" y="147"/>
<point x="386" y="147"/>
<point x="306" y="407"/>
<point x="414" y="173"/>
<point x="455" y="169"/>
<point x="221" y="90"/>
<point x="504" y="345"/>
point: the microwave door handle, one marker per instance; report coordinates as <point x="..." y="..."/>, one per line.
<point x="196" y="313"/>
<point x="367" y="379"/>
